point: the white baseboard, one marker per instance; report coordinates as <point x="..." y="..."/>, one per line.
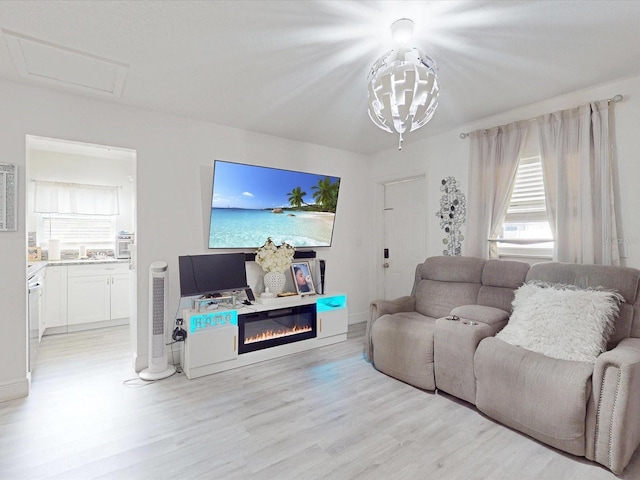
<point x="80" y="327"/>
<point x="14" y="389"/>
<point x="358" y="317"/>
<point x="140" y="362"/>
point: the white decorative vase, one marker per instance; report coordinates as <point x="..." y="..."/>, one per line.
<point x="275" y="281"/>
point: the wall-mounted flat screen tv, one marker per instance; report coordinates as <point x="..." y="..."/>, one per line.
<point x="250" y="203"/>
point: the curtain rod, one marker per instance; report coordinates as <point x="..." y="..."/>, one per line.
<point x="615" y="99"/>
<point x="75" y="184"/>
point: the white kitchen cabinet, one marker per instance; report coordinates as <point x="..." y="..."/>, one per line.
<point x="98" y="294"/>
<point x="55" y="300"/>
<point x="120" y="295"/>
<point x="89" y="298"/>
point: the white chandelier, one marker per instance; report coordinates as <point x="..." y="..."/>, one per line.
<point x="403" y="85"/>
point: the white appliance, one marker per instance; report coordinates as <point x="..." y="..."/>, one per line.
<point x="158" y="364"/>
<point x="54" y="249"/>
<point x="123" y="245"/>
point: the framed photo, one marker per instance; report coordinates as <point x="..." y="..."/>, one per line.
<point x="35" y="254"/>
<point x="302" y="278"/>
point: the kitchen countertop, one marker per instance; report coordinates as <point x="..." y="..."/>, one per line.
<point x="35" y="267"/>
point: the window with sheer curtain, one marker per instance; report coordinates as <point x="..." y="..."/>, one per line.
<point x="493" y="162"/>
<point x="526" y="230"/>
<point x="76" y="214"/>
<point x="577" y="158"/>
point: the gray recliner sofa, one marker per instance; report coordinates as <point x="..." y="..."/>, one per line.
<point x="442" y="337"/>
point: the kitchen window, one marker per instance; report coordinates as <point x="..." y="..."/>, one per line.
<point x="76" y="214"/>
<point x="94" y="231"/>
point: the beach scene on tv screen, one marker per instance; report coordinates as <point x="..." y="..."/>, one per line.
<point x="250" y="203"/>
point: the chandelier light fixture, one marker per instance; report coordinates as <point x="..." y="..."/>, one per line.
<point x="403" y="85"/>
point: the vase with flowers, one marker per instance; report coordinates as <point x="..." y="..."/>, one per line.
<point x="274" y="260"/>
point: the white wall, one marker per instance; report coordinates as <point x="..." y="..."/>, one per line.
<point x="447" y="155"/>
<point x="174" y="161"/>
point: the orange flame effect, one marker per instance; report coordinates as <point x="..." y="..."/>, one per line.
<point x="272" y="334"/>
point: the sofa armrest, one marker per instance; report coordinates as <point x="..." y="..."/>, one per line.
<point x="389" y="307"/>
<point x="613" y="421"/>
<point x="379" y="308"/>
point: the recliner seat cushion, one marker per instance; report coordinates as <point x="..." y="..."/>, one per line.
<point x="540" y="396"/>
<point x="403" y="348"/>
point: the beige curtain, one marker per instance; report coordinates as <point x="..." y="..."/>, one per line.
<point x="576" y="151"/>
<point x="493" y="163"/>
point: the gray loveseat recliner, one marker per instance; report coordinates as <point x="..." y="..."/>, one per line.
<point x="590" y="410"/>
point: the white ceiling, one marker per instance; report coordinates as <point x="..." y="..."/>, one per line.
<point x="298" y="69"/>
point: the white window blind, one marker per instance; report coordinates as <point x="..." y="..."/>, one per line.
<point x="78" y="229"/>
<point x="526" y="231"/>
<point x="72" y="230"/>
<point x="527" y="202"/>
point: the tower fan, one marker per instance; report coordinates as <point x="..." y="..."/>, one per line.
<point x="158" y="365"/>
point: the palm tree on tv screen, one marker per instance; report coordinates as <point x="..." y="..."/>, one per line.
<point x="326" y="194"/>
<point x="296" y="197"/>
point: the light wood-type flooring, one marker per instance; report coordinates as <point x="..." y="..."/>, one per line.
<point x="325" y="413"/>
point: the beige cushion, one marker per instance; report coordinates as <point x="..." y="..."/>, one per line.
<point x="504" y="273"/>
<point x="403" y="348"/>
<point x="499" y="279"/>
<point x="443" y="283"/>
<point x="543" y="397"/>
<point x="436" y="299"/>
<point x="452" y="269"/>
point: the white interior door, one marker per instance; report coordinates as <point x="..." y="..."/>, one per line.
<point x="405" y="234"/>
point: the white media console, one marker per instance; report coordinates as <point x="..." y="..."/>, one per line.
<point x="216" y="338"/>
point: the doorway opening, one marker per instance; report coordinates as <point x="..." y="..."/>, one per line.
<point x="80" y="199"/>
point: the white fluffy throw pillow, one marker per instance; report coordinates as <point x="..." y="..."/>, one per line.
<point x="562" y="321"/>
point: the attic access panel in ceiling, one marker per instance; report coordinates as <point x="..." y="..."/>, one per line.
<point x="56" y="65"/>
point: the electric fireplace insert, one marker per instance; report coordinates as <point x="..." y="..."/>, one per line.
<point x="276" y="327"/>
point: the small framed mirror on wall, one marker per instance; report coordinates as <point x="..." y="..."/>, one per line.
<point x="8" y="197"/>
